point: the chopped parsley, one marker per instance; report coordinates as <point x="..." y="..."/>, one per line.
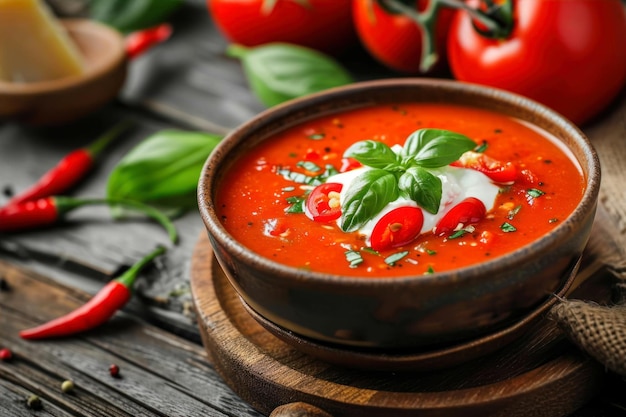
<point x="354" y="258"/>
<point x="317" y="136"/>
<point x="296" y="205"/>
<point x="309" y="166"/>
<point x="534" y="192"/>
<point x="392" y="259"/>
<point x="507" y="227"/>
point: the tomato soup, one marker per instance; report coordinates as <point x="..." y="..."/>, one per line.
<point x="262" y="199"/>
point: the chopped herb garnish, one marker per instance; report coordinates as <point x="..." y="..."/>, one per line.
<point x="309" y="166"/>
<point x="482" y="147"/>
<point x="370" y="250"/>
<point x="513" y="212"/>
<point x="507" y="227"/>
<point x="392" y="259"/>
<point x="317" y="136"/>
<point x="462" y="232"/>
<point x="534" y="192"/>
<point x="553" y="220"/>
<point x="431" y="252"/>
<point x="296" y="205"/>
<point x="429" y="271"/>
<point x="354" y="258"/>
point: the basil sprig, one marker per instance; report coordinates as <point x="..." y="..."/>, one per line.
<point x="405" y="174"/>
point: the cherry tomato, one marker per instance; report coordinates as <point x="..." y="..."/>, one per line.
<point x="325" y="25"/>
<point x="396" y="228"/>
<point x="348" y="164"/>
<point x="322" y="204"/>
<point x="497" y="171"/>
<point x="568" y="55"/>
<point x="469" y="211"/>
<point x="395" y="40"/>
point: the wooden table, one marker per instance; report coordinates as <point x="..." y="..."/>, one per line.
<point x="187" y="84"/>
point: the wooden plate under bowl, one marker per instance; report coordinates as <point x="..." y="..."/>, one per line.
<point x="541" y="374"/>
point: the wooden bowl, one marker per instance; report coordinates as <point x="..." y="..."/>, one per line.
<point x="413" y="311"/>
<point x="61" y="101"/>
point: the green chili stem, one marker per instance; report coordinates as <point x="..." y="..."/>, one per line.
<point x="96" y="147"/>
<point x="65" y="204"/>
<point x="128" y="278"/>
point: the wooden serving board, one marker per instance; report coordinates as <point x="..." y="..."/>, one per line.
<point x="540" y="374"/>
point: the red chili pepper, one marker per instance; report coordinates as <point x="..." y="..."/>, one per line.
<point x="397" y="228"/>
<point x="96" y="311"/>
<point x="140" y="41"/>
<point x="49" y="210"/>
<point x="498" y="171"/>
<point x="322" y="205"/>
<point x="69" y="170"/>
<point x="470" y="210"/>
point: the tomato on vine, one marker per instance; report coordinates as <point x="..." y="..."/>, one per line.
<point x="398" y="33"/>
<point x="568" y="55"/>
<point x="325" y="25"/>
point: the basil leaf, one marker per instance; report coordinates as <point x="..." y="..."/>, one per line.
<point x="372" y="153"/>
<point x="434" y="148"/>
<point x="163" y="169"/>
<point x="422" y="187"/>
<point x="369" y="193"/>
<point x="128" y="16"/>
<point x="278" y="72"/>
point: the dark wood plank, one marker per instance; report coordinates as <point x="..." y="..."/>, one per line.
<point x="161" y="374"/>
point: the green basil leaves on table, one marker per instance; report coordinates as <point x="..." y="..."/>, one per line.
<point x="131" y="15"/>
<point x="278" y="72"/>
<point x="163" y="170"/>
<point x="404" y="174"/>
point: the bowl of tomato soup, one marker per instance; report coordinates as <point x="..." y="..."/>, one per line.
<point x="401" y="213"/>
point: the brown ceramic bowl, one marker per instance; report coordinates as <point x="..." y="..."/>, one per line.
<point x="413" y="311"/>
<point x="64" y="100"/>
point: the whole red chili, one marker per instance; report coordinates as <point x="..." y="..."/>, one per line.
<point x="140" y="41"/>
<point x="49" y="210"/>
<point x="69" y="170"/>
<point x="98" y="309"/>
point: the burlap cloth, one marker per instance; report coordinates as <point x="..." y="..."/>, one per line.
<point x="600" y="330"/>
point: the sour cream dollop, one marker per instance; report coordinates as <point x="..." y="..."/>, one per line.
<point x="457" y="184"/>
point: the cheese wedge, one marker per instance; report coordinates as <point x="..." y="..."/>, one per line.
<point x="33" y="45"/>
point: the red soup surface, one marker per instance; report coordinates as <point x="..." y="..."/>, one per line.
<point x="260" y="198"/>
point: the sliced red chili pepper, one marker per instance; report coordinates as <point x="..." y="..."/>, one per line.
<point x="140" y="41"/>
<point x="397" y="228"/>
<point x="98" y="309"/>
<point x="322" y="204"/>
<point x="69" y="170"/>
<point x="49" y="210"/>
<point x="348" y="164"/>
<point x="497" y="171"/>
<point x="469" y="211"/>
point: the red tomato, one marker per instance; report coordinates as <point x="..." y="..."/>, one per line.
<point x="322" y="204"/>
<point x="471" y="210"/>
<point x="497" y="171"/>
<point x="568" y="55"/>
<point x="396" y="228"/>
<point x="395" y="40"/>
<point x="325" y="25"/>
<point x="348" y="164"/>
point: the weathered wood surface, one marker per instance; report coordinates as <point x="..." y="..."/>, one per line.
<point x="161" y="374"/>
<point x="186" y="83"/>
